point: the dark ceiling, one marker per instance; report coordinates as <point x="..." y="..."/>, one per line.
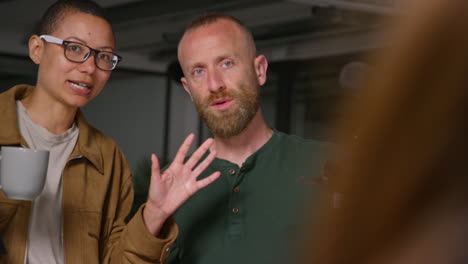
<point x="147" y="31"/>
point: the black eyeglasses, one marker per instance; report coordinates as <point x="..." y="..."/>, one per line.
<point x="79" y="52"/>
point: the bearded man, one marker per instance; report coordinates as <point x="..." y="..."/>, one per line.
<point x="256" y="210"/>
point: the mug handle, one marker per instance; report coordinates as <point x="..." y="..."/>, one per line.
<point x="3" y="249"/>
<point x="0" y="177"/>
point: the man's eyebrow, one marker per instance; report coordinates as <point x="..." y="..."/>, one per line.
<point x="217" y="59"/>
<point x="196" y="65"/>
<point x="226" y="56"/>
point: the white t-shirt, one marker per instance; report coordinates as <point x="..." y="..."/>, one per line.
<point x="45" y="236"/>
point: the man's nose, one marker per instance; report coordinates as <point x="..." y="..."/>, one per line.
<point x="215" y="82"/>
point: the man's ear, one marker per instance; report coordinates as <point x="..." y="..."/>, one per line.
<point x="261" y="66"/>
<point x="36" y="48"/>
<point x="187" y="89"/>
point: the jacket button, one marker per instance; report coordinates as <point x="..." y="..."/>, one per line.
<point x="232" y="171"/>
<point x="235" y="210"/>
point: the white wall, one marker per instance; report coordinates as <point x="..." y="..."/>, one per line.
<point x="183" y="119"/>
<point x="130" y="109"/>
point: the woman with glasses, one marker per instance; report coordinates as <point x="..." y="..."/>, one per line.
<point x="80" y="217"/>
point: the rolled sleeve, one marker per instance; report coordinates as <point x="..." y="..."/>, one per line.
<point x="140" y="243"/>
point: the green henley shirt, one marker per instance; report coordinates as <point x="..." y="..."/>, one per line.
<point x="255" y="213"/>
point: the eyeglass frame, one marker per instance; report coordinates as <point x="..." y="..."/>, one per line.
<point x="65" y="43"/>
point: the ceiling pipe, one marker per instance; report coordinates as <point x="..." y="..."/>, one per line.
<point x="353" y="6"/>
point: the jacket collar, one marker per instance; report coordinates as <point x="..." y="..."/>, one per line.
<point x="86" y="145"/>
<point x="9" y="128"/>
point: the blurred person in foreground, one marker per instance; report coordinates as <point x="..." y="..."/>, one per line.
<point x="80" y="217"/>
<point x="255" y="211"/>
<point x="403" y="183"/>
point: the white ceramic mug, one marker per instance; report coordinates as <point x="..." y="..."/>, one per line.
<point x="23" y="172"/>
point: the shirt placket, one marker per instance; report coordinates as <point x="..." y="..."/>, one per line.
<point x="235" y="208"/>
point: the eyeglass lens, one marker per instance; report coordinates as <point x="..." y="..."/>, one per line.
<point x="78" y="53"/>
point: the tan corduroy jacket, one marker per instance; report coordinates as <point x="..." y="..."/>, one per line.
<point x="97" y="197"/>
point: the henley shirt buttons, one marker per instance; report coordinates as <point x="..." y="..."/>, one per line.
<point x="232" y="171"/>
<point x="235" y="210"/>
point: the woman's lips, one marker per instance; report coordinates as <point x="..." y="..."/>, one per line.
<point x="80" y="87"/>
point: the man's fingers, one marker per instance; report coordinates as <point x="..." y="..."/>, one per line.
<point x="198" y="154"/>
<point x="155" y="167"/>
<point x="204" y="182"/>
<point x="183" y="149"/>
<point x="204" y="164"/>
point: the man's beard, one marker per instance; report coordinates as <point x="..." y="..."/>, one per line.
<point x="230" y="122"/>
